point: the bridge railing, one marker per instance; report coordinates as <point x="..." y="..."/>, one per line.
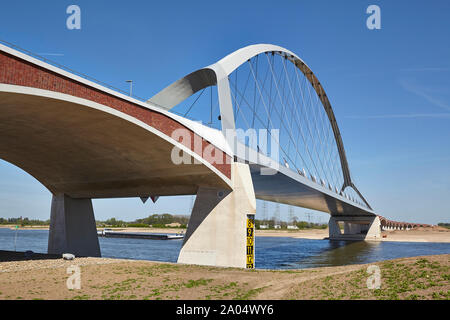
<point x="65" y="68"/>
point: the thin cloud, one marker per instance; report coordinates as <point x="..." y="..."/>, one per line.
<point x="427" y="69"/>
<point x="51" y="54"/>
<point x="421" y="92"/>
<point x="403" y="116"/>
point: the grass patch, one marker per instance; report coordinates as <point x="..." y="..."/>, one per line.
<point x="197" y="283"/>
<point x="406" y="280"/>
<point x="81" y="297"/>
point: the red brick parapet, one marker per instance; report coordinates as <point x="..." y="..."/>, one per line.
<point x="16" y="71"/>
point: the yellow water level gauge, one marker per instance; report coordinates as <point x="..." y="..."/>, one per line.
<point x="250" y="241"/>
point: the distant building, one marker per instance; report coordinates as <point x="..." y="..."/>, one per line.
<point x="277" y="226"/>
<point x="264" y="226"/>
<point x="292" y="227"/>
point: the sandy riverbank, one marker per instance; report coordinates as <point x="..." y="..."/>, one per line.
<point x="409" y="278"/>
<point x="301" y="234"/>
<point x="10" y="226"/>
<point x="433" y="234"/>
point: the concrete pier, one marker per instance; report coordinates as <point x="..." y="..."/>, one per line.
<point x="355" y="228"/>
<point x="216" y="233"/>
<point x="72" y="227"/>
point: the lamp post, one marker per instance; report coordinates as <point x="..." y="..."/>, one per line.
<point x="131" y="86"/>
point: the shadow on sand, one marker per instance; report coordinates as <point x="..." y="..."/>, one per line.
<point x="6" y="256"/>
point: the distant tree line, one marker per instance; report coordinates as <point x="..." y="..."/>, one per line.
<point x="300" y="224"/>
<point x="310" y="225"/>
<point x="23" y="222"/>
<point x="445" y="225"/>
<point x="155" y="220"/>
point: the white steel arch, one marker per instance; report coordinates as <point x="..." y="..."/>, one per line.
<point x="218" y="74"/>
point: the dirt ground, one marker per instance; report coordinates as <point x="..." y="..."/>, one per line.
<point x="304" y="234"/>
<point x="410" y="278"/>
<point x="433" y="234"/>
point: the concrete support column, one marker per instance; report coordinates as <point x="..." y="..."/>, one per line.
<point x="216" y="233"/>
<point x="352" y="228"/>
<point x="374" y="229"/>
<point x="333" y="228"/>
<point x="355" y="228"/>
<point x="72" y="227"/>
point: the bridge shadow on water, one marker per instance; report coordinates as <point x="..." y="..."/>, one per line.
<point x="290" y="253"/>
<point x="339" y="253"/>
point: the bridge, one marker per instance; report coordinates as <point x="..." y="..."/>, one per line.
<point x="255" y="125"/>
<point x="387" y="225"/>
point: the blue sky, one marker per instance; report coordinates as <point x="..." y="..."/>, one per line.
<point x="390" y="88"/>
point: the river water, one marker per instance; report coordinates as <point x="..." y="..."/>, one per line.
<point x="271" y="252"/>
